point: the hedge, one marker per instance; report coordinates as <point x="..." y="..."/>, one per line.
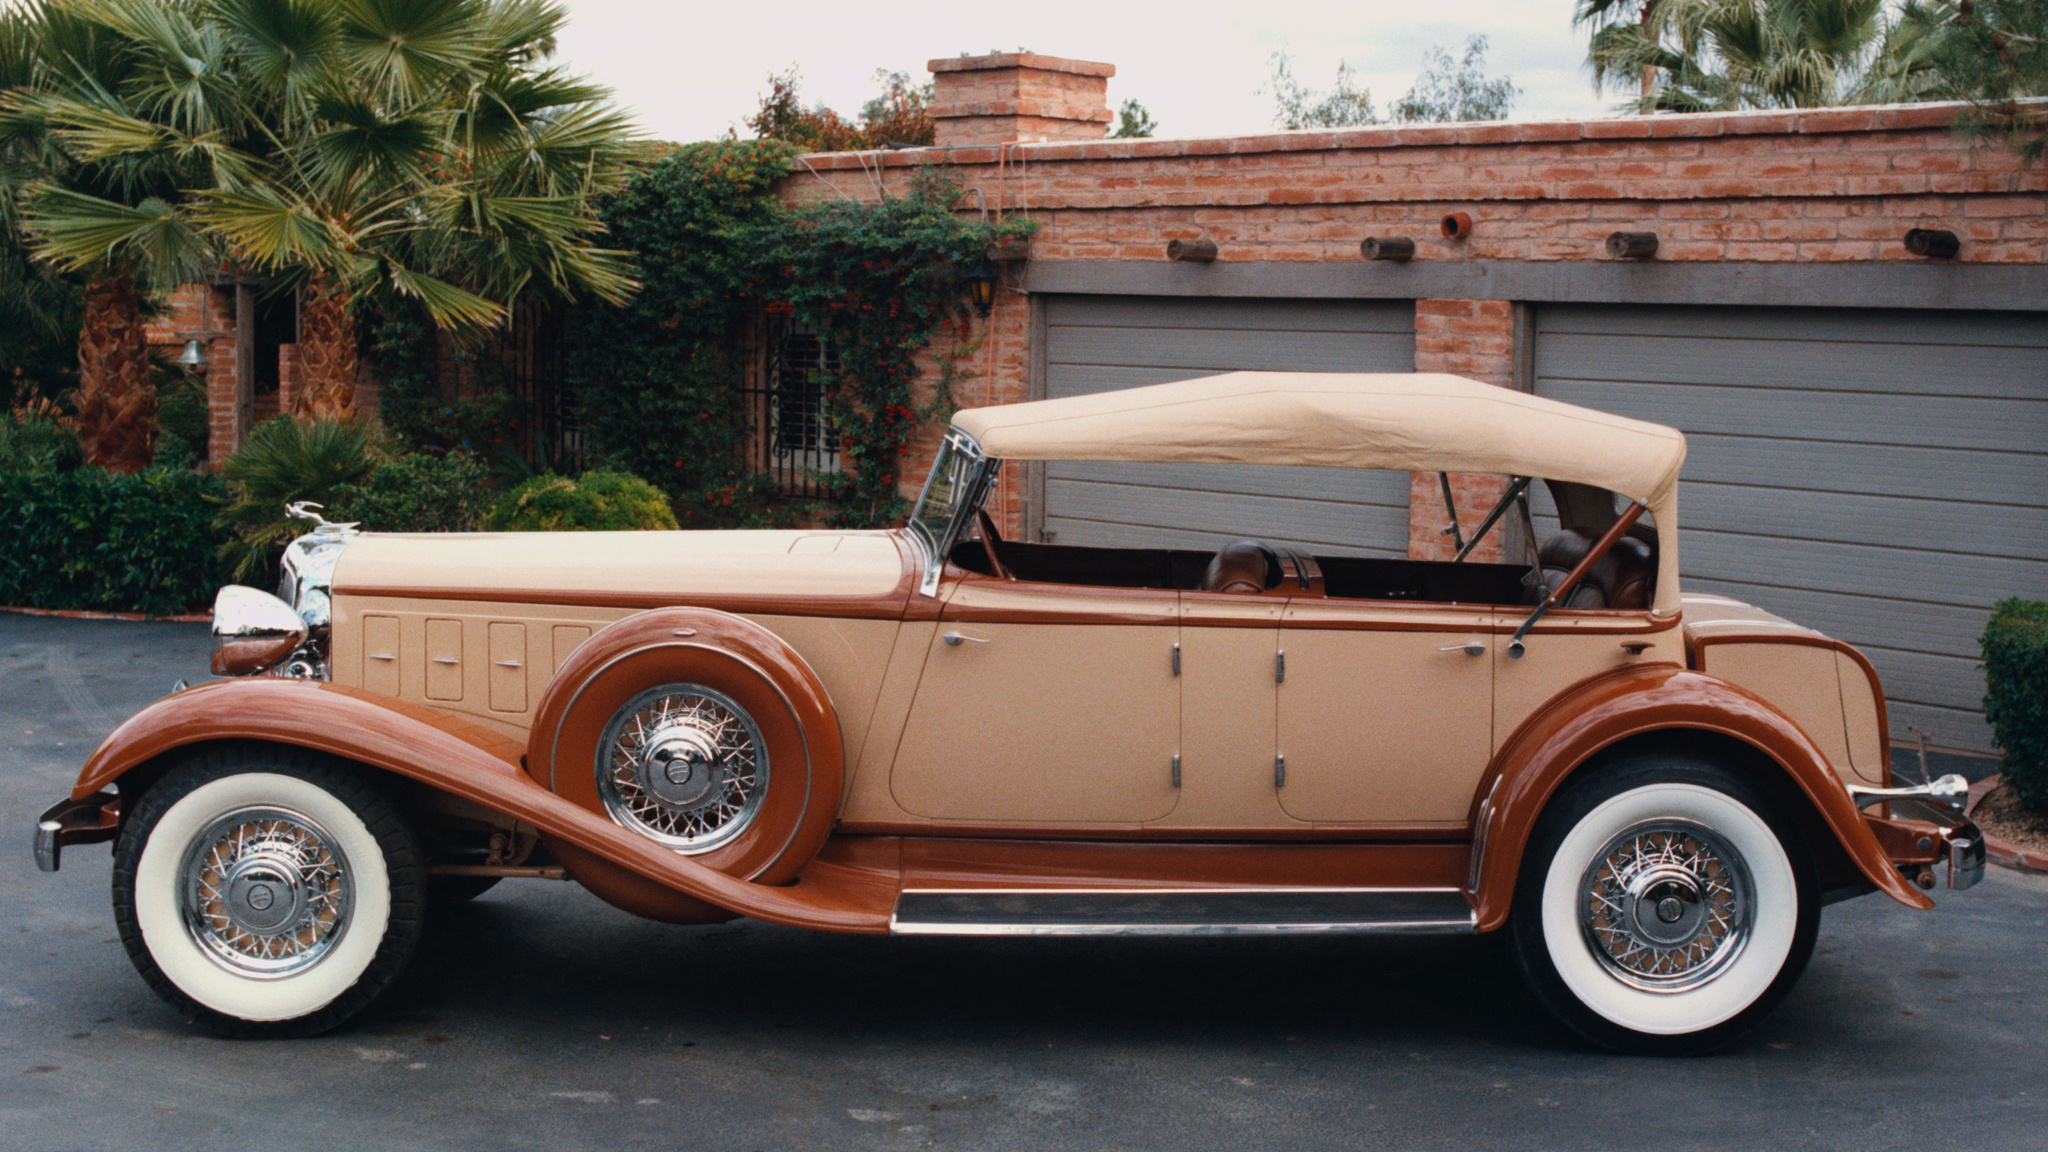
<point x="110" y="542"/>
<point x="422" y="492"/>
<point x="2016" y="703"/>
<point x="594" y="502"/>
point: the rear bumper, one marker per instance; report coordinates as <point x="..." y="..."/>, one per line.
<point x="1918" y="834"/>
<point x="93" y="820"/>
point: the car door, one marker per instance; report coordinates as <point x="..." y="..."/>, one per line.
<point x="1228" y="646"/>
<point x="1044" y="704"/>
<point x="1385" y="711"/>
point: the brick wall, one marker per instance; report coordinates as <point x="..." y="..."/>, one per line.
<point x="1474" y="338"/>
<point x="1842" y="184"/>
<point x="1776" y="187"/>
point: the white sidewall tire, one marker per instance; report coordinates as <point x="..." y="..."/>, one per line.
<point x="187" y="966"/>
<point x="1746" y="980"/>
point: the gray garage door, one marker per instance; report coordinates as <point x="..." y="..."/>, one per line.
<point x="1100" y="343"/>
<point x="1881" y="476"/>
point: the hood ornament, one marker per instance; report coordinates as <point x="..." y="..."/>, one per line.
<point x="308" y="510"/>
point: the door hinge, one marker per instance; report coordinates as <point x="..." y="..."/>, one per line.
<point x="1176" y="769"/>
<point x="1280" y="668"/>
<point x="1176" y="658"/>
<point x="1279" y="771"/>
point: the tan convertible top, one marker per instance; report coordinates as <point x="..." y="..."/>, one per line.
<point x="1420" y="421"/>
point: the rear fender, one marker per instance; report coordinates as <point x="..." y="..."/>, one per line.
<point x="1572" y="729"/>
<point x="457" y="757"/>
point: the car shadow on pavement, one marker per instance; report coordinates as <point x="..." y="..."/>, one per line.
<point x="560" y="960"/>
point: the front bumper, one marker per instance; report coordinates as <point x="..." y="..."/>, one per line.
<point x="93" y="820"/>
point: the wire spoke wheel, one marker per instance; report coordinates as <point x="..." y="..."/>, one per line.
<point x="1667" y="905"/>
<point x="685" y="765"/>
<point x="265" y="891"/>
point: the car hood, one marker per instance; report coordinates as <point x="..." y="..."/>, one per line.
<point x="806" y="572"/>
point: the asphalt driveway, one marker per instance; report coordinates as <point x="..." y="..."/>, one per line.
<point x="538" y="1017"/>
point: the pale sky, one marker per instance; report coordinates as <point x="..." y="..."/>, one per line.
<point x="688" y="71"/>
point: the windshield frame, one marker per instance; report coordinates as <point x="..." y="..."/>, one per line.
<point x="967" y="472"/>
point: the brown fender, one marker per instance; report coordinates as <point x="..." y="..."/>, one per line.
<point x="1629" y="702"/>
<point x="462" y="759"/>
<point x="734" y="656"/>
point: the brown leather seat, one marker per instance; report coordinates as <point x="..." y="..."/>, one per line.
<point x="1562" y="553"/>
<point x="1635" y="574"/>
<point x="1624" y="578"/>
<point x="1241" y="566"/>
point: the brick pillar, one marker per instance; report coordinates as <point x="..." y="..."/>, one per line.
<point x="978" y="101"/>
<point x="1476" y="339"/>
<point x="228" y="403"/>
<point x="229" y="400"/>
<point x="287" y="376"/>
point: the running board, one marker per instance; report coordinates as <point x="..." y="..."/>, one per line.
<point x="1179" y="912"/>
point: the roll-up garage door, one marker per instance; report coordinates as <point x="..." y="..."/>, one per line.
<point x="1881" y="476"/>
<point x="1102" y="343"/>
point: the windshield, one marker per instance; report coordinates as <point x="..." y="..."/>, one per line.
<point x="955" y="483"/>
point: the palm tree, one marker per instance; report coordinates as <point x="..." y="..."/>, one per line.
<point x="414" y="148"/>
<point x="1720" y="55"/>
<point x="51" y="61"/>
<point x="421" y="151"/>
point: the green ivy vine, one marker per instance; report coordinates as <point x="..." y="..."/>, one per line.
<point x="657" y="379"/>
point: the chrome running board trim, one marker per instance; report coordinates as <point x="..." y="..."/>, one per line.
<point x="1179" y="911"/>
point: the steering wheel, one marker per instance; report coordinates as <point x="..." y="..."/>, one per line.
<point x="989" y="539"/>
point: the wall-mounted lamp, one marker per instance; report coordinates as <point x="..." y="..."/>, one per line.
<point x="1397" y="248"/>
<point x="1933" y="243"/>
<point x="194" y="356"/>
<point x="1191" y="251"/>
<point x="981" y="285"/>
<point x="1632" y="245"/>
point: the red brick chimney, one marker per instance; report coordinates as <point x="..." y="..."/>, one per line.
<point x="983" y="100"/>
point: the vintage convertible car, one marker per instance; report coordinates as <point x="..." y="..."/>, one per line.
<point x="937" y="730"/>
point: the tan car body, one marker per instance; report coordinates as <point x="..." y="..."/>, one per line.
<point x="964" y="730"/>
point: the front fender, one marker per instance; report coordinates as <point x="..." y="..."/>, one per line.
<point x="457" y="757"/>
<point x="1634" y="701"/>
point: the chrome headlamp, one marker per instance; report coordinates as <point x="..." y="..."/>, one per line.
<point x="253" y="631"/>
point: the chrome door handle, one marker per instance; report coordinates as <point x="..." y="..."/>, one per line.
<point x="1469" y="648"/>
<point x="955" y="639"/>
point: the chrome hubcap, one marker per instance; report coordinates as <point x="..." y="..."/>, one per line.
<point x="264" y="892"/>
<point x="1667" y="905"/>
<point x="685" y="765"/>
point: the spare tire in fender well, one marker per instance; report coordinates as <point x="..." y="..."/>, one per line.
<point x="752" y="670"/>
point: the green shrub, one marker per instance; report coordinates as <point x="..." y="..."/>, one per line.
<point x="2015" y="646"/>
<point x="598" y="502"/>
<point x="104" y="541"/>
<point x="423" y="492"/>
<point x="35" y="439"/>
<point x="283" y="461"/>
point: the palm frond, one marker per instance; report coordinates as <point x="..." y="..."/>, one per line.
<point x="451" y="307"/>
<point x="269" y="232"/>
<point x="75" y="231"/>
<point x="357" y="141"/>
<point x="404" y="49"/>
<point x="285" y="46"/>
